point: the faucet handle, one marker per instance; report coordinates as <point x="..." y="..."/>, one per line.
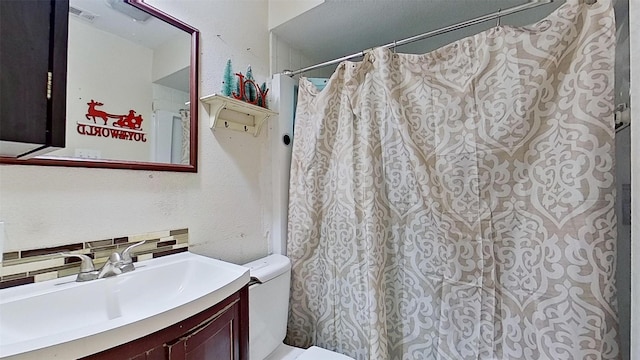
<point x="126" y="253"/>
<point x="87" y="262"/>
<point x="127" y="261"/>
<point x="87" y="269"/>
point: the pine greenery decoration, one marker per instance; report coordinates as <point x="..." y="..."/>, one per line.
<point x="237" y="92"/>
<point x="250" y="90"/>
<point x="228" y="83"/>
<point x="263" y="91"/>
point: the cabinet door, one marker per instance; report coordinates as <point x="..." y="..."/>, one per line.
<point x="217" y="339"/>
<point x="33" y="49"/>
<point x="218" y="333"/>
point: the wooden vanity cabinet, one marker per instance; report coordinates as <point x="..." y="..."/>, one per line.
<point x="218" y="333"/>
<point x="212" y="340"/>
<point x="33" y="76"/>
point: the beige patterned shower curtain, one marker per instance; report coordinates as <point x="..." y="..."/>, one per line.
<point x="460" y="204"/>
<point x="185" y="117"/>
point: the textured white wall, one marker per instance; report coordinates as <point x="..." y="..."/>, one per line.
<point x="284" y="57"/>
<point x="226" y="205"/>
<point x="171" y="56"/>
<point x="92" y="78"/>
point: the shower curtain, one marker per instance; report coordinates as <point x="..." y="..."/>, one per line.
<point x="460" y="204"/>
<point x="185" y="154"/>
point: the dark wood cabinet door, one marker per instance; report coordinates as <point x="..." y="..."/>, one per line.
<point x="218" y="333"/>
<point x="214" y="340"/>
<point x="33" y="50"/>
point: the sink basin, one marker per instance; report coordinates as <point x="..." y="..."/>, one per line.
<point x="66" y="319"/>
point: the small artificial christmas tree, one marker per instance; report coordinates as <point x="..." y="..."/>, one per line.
<point x="238" y="93"/>
<point x="262" y="101"/>
<point x="228" y="83"/>
<point x="250" y="89"/>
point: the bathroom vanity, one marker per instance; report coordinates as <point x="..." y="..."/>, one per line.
<point x="181" y="306"/>
<point x="220" y="332"/>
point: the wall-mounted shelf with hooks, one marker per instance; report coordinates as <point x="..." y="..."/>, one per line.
<point x="233" y="114"/>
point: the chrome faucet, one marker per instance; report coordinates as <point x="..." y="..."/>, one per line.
<point x="127" y="260"/>
<point x="112" y="267"/>
<point x="116" y="264"/>
<point x="87" y="269"/>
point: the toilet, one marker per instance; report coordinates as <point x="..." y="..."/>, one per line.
<point x="268" y="311"/>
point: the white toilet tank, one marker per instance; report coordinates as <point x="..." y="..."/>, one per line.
<point x="268" y="304"/>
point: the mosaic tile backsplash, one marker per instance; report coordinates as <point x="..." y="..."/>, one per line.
<point x="35" y="265"/>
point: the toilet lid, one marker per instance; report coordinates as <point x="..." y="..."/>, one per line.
<point x="316" y="353"/>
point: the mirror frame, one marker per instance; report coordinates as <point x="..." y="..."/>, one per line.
<point x="193" y="122"/>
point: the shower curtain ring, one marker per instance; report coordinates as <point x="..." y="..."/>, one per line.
<point x="394" y="46"/>
<point x="498" y="22"/>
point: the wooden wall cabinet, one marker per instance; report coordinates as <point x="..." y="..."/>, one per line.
<point x="33" y="76"/>
<point x="220" y="332"/>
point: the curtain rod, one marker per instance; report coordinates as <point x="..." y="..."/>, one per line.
<point x="495" y="15"/>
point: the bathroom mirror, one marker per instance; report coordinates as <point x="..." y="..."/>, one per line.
<point x="131" y="89"/>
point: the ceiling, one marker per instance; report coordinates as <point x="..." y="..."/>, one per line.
<point x="337" y="28"/>
<point x="150" y="33"/>
<point x="100" y="14"/>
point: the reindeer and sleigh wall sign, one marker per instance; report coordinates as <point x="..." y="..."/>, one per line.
<point x="123" y="127"/>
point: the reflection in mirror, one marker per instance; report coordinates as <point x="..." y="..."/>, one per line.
<point x="131" y="80"/>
